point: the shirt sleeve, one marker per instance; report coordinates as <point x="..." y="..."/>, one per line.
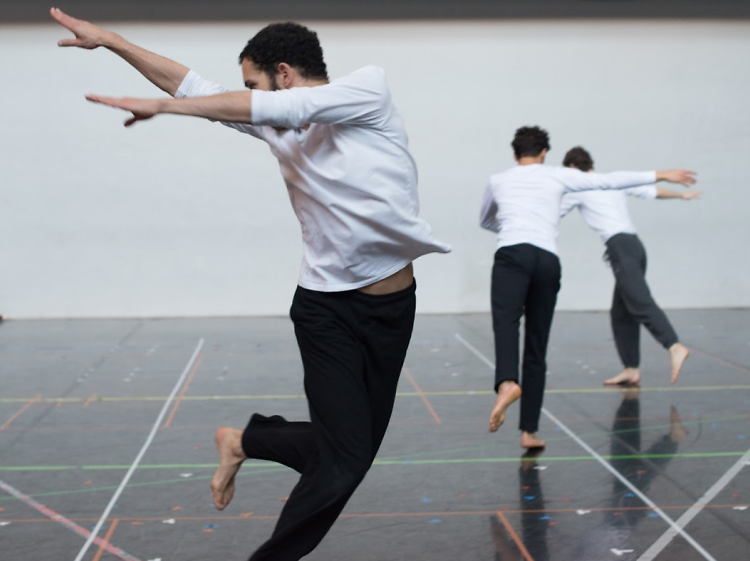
<point x="488" y="213"/>
<point x="361" y="98"/>
<point x="576" y="180"/>
<point x="568" y="203"/>
<point x="645" y="192"/>
<point x="195" y="85"/>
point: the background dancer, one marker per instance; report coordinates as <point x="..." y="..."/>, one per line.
<point x="522" y="205"/>
<point x="632" y="304"/>
<point x="342" y="150"/>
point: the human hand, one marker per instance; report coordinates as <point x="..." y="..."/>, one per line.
<point x="87" y="35"/>
<point x="142" y="109"/>
<point x="682" y="176"/>
<point x="688" y="195"/>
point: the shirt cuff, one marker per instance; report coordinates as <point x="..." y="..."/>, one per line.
<point x="186" y="87"/>
<point x="262" y="106"/>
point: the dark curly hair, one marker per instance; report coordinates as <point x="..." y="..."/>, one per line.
<point x="578" y="158"/>
<point x="530" y="141"/>
<point x="287" y="42"/>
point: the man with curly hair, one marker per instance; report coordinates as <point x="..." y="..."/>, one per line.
<point x="522" y="205"/>
<point x="342" y="150"/>
<point x="606" y="212"/>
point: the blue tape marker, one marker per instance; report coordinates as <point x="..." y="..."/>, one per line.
<point x="529" y="497"/>
<point x="426" y="500"/>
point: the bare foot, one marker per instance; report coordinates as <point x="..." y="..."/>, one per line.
<point x="529" y="440"/>
<point x="677" y="355"/>
<point x="231" y="456"/>
<point x="628" y="377"/>
<point x="507" y="393"/>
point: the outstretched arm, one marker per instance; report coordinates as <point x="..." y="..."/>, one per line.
<point x="662" y="193"/>
<point x="233" y="107"/>
<point x="576" y="180"/>
<point x="164" y="73"/>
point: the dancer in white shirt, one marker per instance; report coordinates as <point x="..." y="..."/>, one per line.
<point x="522" y="205"/>
<point x="342" y="150"/>
<point x="632" y="304"/>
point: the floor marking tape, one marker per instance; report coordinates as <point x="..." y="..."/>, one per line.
<point x="137" y="460"/>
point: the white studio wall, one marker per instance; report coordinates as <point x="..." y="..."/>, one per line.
<point x="179" y="217"/>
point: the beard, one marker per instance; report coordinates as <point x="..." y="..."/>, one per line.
<point x="274" y="83"/>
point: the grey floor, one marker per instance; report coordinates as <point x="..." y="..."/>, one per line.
<point x="657" y="473"/>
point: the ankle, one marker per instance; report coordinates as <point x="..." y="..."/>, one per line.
<point x="233" y="440"/>
<point x="507" y="385"/>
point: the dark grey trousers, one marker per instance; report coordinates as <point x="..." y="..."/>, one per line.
<point x="632" y="303"/>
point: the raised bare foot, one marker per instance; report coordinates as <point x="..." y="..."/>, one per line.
<point x="677" y="355"/>
<point x="529" y="440"/>
<point x="507" y="393"/>
<point x="231" y="456"/>
<point x="628" y="377"/>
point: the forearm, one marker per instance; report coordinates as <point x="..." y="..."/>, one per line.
<point x="164" y="73"/>
<point x="234" y="107"/>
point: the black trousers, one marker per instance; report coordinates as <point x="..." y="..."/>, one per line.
<point x="353" y="347"/>
<point x="525" y="283"/>
<point x="632" y="303"/>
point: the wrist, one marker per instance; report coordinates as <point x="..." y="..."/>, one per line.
<point x="163" y="105"/>
<point x="111" y="40"/>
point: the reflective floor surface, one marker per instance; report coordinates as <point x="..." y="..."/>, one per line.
<point x="108" y="426"/>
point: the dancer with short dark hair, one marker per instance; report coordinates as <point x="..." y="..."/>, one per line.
<point x="343" y="153"/>
<point x="632" y="303"/>
<point x="522" y="205"/>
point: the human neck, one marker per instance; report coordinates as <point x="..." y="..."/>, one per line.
<point x="528" y="160"/>
<point x="308" y="83"/>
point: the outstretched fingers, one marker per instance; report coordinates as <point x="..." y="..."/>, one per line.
<point x="105" y="100"/>
<point x="87" y="35"/>
<point x="141" y="109"/>
<point x="688" y="178"/>
<point x="63" y="19"/>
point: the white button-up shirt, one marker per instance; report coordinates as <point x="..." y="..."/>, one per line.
<point x="350" y="177"/>
<point x="522" y="204"/>
<point x="606" y="212"/>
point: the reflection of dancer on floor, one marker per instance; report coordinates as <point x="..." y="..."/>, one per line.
<point x="534" y="524"/>
<point x="343" y="153"/>
<point x="627" y="509"/>
<point x="522" y="205"/>
<point x="632" y="303"/>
